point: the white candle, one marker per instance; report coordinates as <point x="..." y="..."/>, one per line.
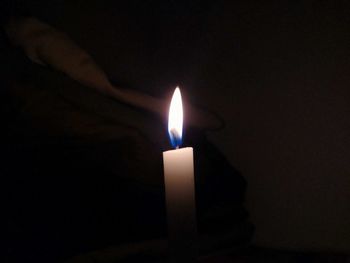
<point x="179" y="185"/>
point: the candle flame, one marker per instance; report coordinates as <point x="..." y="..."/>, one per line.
<point x="175" y="119"/>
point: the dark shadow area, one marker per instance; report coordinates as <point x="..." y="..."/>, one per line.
<point x="83" y="172"/>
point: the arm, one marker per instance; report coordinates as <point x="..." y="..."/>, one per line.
<point x="45" y="45"/>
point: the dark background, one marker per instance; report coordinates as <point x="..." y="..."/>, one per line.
<point x="277" y="72"/>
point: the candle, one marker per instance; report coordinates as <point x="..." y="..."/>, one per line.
<point x="179" y="185"/>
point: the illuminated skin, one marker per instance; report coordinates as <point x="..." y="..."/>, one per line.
<point x="47" y="46"/>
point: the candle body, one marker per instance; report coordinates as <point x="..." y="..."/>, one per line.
<point x="180" y="200"/>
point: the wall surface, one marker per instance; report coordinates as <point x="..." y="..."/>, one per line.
<point x="277" y="73"/>
<point x="285" y="95"/>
